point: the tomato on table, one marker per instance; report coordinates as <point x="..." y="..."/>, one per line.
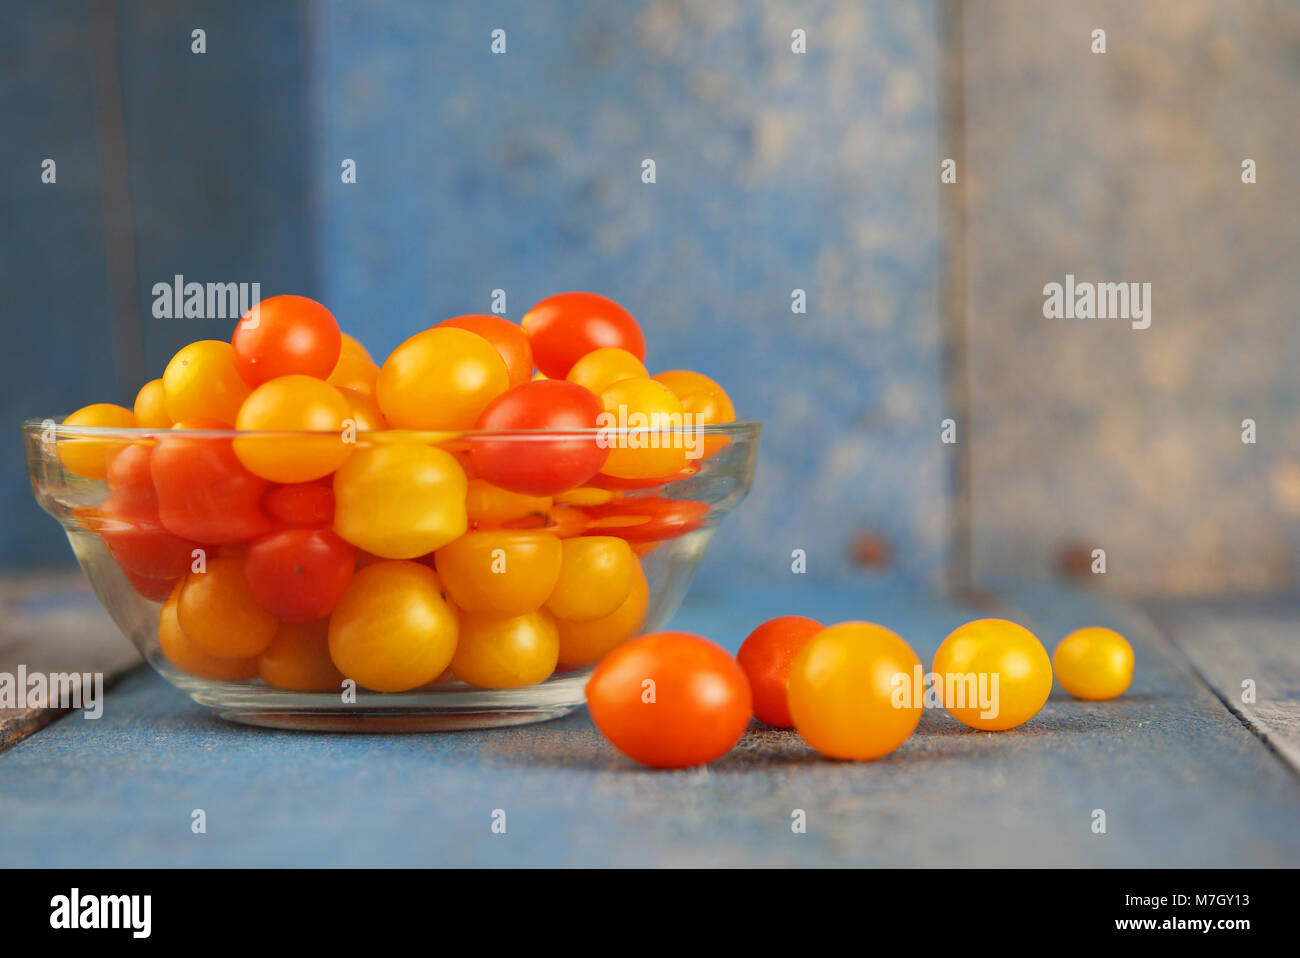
<point x="393" y="630"/>
<point x="841" y="691"/>
<point x="500" y="572"/>
<point x="582" y="643"/>
<point x="299" y="575"/>
<point x="202" y="381"/>
<point x="204" y="492"/>
<point x="90" y="456"/>
<point x="670" y="699"/>
<point x="766" y="656"/>
<point x="441" y="378"/>
<point x="564" y="328"/>
<point x="219" y="612"/>
<point x="506" y="338"/>
<point x="646" y="518"/>
<point x="1094" y="664"/>
<point x="506" y="652"/>
<point x="595" y="578"/>
<point x="993" y="649"/>
<point x="540" y="465"/>
<point x="283" y="336"/>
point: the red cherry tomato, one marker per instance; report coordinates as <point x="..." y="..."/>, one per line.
<point x="299" y="575"/>
<point x="204" y="491"/>
<point x="539" y="466"/>
<point x="766" y="656"/>
<point x="561" y="521"/>
<point x="132" y="530"/>
<point x="670" y="699"/>
<point x="284" y="335"/>
<point x="564" y="328"/>
<point x="508" y="339"/>
<point x="303" y="504"/>
<point x="646" y="518"/>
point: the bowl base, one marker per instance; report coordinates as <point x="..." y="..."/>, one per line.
<point x="391" y="720"/>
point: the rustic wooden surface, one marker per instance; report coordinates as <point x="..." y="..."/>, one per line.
<point x="1181" y="779"/>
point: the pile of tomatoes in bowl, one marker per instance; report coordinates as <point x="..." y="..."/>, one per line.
<point x="483" y="509"/>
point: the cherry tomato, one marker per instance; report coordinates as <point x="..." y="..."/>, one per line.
<point x="131" y="528"/>
<point x="363" y="410"/>
<point x="615" y="484"/>
<point x="998" y="662"/>
<point x="842" y="691"/>
<point x="219" y="612"/>
<point x="441" y="378"/>
<point x="400" y="500"/>
<point x="644" y="434"/>
<point x="151" y="406"/>
<point x="498" y="572"/>
<point x="204" y="491"/>
<point x="178" y="649"/>
<point x="539" y="465"/>
<point x="594" y="579"/>
<point x="299" y="575"/>
<point x="670" y="699"/>
<point x="506" y="338"/>
<point x="1094" y="664"/>
<point x="496" y="652"/>
<point x="87" y="456"/>
<point x="585" y="496"/>
<point x="601" y="368"/>
<point x="203" y="382"/>
<point x="304" y="504"/>
<point x="766" y="657"/>
<point x="564" y="328"/>
<point x="155" y="590"/>
<point x="290" y="404"/>
<point x="582" y="643"/>
<point x="646" y="518"/>
<point x="560" y="521"/>
<point x="702" y="398"/>
<point x="298" y="658"/>
<point x="489" y="505"/>
<point x="393" y="630"/>
<point x="283" y="336"/>
<point x="355" y="370"/>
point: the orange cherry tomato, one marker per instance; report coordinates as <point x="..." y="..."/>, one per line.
<point x="89" y="456"/>
<point x="560" y="521"/>
<point x="564" y="328"/>
<point x="766" y="656"/>
<point x="670" y="699"/>
<point x="644" y="423"/>
<point x="284" y="336"/>
<point x="488" y="505"/>
<point x="582" y="643"/>
<point x="500" y="572"/>
<point x="151" y="406"/>
<point x="204" y="491"/>
<point x="364" y="411"/>
<point x="1094" y="664"/>
<point x="993" y="663"/>
<point x="506" y="652"/>
<point x="601" y="368"/>
<point x="178" y="649"/>
<point x="219" y="612"/>
<point x="355" y="370"/>
<point x="843" y="691"/>
<point x="704" y="399"/>
<point x="298" y="658"/>
<point x="595" y="578"/>
<point x="508" y="339"/>
<point x="292" y="404"/>
<point x="202" y="381"/>
<point x="441" y="378"/>
<point x="393" y="630"/>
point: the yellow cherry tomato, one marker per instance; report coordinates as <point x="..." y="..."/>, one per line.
<point x="506" y="652"/>
<point x="490" y="505"/>
<point x="582" y="643"/>
<point x="290" y="404"/>
<point x="601" y="368"/>
<point x="585" y="496"/>
<point x="363" y="410"/>
<point x="704" y="399"/>
<point x="298" y="658"/>
<point x="1094" y="663"/>
<point x="393" y="630"/>
<point x="500" y="572"/>
<point x="151" y="406"/>
<point x="400" y="500"/>
<point x="218" y="612"/>
<point x="90" y="457"/>
<point x="843" y="691"/>
<point x="441" y="378"/>
<point x="993" y="674"/>
<point x="595" y="578"/>
<point x="202" y="382"/>
<point x="356" y="370"/>
<point x="178" y="649"/>
<point x="656" y="447"/>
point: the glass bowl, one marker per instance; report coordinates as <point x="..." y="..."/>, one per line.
<point x="667" y="521"/>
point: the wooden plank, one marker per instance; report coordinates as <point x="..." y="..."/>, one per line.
<point x="1231" y="644"/>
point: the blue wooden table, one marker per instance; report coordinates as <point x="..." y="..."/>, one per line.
<point x="1182" y="780"/>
